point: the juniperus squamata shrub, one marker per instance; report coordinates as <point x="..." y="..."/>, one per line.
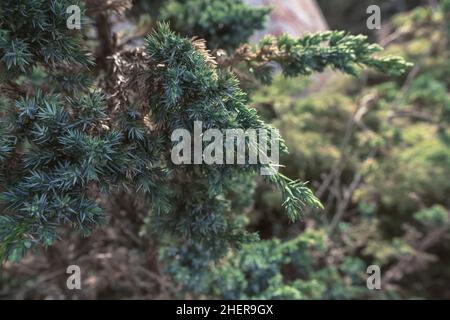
<point x="77" y="126"/>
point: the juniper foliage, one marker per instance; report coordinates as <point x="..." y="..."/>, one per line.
<point x="314" y="53"/>
<point x="67" y="141"/>
<point x="224" y="24"/>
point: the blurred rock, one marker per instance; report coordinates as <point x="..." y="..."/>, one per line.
<point x="294" y="17"/>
